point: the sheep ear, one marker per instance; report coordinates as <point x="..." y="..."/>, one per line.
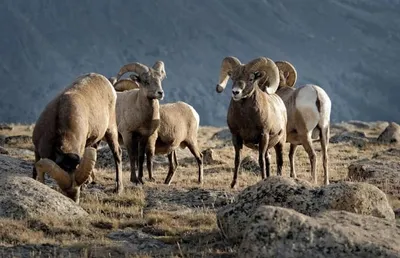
<point x="258" y="74"/>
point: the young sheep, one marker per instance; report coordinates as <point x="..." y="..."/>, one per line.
<point x="179" y="123"/>
<point x="255" y="118"/>
<point x="79" y="117"/>
<point x="138" y="113"/>
<point x="308" y="110"/>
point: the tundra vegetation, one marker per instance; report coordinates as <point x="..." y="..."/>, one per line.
<point x="157" y="220"/>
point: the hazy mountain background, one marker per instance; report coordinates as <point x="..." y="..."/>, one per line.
<point x="351" y="48"/>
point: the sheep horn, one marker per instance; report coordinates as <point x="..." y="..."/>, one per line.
<point x="126" y="84"/>
<point x="159" y="67"/>
<point x="271" y="78"/>
<point x="62" y="178"/>
<point x="86" y="166"/>
<point x="137" y="68"/>
<point x="113" y="80"/>
<point x="287" y="67"/>
<point x="229" y="63"/>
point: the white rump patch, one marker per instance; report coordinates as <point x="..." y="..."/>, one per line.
<point x="196" y="115"/>
<point x="306" y="103"/>
<point x="113" y="89"/>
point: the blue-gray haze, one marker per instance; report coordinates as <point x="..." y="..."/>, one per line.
<point x="351" y="48"/>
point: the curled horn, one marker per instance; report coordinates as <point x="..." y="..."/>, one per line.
<point x="287" y="68"/>
<point x="137" y="68"/>
<point x="228" y="65"/>
<point x="159" y="67"/>
<point x="62" y="178"/>
<point x="125" y="84"/>
<point x="271" y="78"/>
<point x="69" y="183"/>
<point x="86" y="166"/>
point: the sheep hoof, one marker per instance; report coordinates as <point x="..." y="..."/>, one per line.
<point x="118" y="190"/>
<point x="233" y="184"/>
<point x="152" y="179"/>
<point x="137" y="181"/>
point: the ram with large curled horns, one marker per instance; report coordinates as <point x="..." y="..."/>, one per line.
<point x="256" y="119"/>
<point x="79" y="117"/>
<point x="308" y="110"/>
<point x="138" y="111"/>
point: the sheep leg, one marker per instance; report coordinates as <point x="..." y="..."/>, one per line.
<point x="175" y="160"/>
<point x="238" y="145"/>
<point x="172" y="168"/>
<point x="263" y="157"/>
<point x="142" y="150"/>
<point x="149" y="163"/>
<point x="292" y="153"/>
<point x="307" y="145"/>
<point x="111" y="137"/>
<point x="131" y="146"/>
<point x="194" y="149"/>
<point x="324" y="136"/>
<point x="34" y="172"/>
<point x="279" y="158"/>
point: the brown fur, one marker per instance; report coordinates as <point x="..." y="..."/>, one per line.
<point x="80" y="116"/>
<point x="138" y="117"/>
<point x="178" y="128"/>
<point x="256" y="120"/>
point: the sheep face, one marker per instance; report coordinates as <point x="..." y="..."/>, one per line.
<point x="67" y="161"/>
<point x="244" y="84"/>
<point x="147" y="78"/>
<point x="151" y="83"/>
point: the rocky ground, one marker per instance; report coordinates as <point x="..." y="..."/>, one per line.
<point x="355" y="216"/>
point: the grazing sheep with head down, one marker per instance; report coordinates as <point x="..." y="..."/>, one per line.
<point x="179" y="123"/>
<point x="308" y="110"/>
<point x="79" y="117"/>
<point x="255" y="118"/>
<point x="138" y="114"/>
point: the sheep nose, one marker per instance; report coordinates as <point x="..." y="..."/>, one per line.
<point x="160" y="93"/>
<point x="235" y="92"/>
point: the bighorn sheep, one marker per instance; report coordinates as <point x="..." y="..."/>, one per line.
<point x="79" y="117"/>
<point x="179" y="123"/>
<point x="254" y="116"/>
<point x="308" y="110"/>
<point x="70" y="184"/>
<point x="138" y="113"/>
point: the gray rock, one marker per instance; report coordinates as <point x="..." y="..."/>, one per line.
<point x="301" y="196"/>
<point x="5" y="127"/>
<point x="23" y="198"/>
<point x="224" y="134"/>
<point x="383" y="170"/>
<point x="210" y="157"/>
<point x="390" y="135"/>
<point x="280" y="232"/>
<point x="3" y="151"/>
<point x="2" y="140"/>
<point x="356" y="138"/>
<point x="251" y="164"/>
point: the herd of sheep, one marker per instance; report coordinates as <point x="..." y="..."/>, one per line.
<point x="265" y="111"/>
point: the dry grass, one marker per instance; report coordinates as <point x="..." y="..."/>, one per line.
<point x="189" y="232"/>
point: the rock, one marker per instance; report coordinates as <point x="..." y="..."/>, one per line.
<point x="2" y="140"/>
<point x="19" y="152"/>
<point x="12" y="166"/>
<point x="3" y="151"/>
<point x="5" y="127"/>
<point x="18" y="139"/>
<point x="383" y="170"/>
<point x="137" y="240"/>
<point x="390" y="135"/>
<point x="251" y="164"/>
<point x="105" y="159"/>
<point x="210" y="157"/>
<point x="356" y="138"/>
<point x="24" y="198"/>
<point x="281" y="232"/>
<point x="301" y="196"/>
<point x="224" y="134"/>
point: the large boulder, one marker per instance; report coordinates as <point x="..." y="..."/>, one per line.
<point x="281" y="232"/>
<point x="391" y="134"/>
<point x="22" y="197"/>
<point x="301" y="196"/>
<point x="382" y="170"/>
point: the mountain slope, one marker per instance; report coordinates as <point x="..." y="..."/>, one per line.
<point x="351" y="48"/>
